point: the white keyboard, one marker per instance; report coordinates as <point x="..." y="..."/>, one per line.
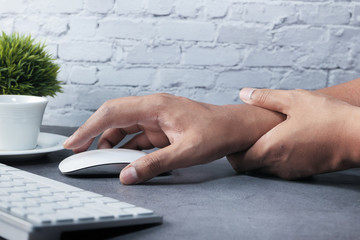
<point x="35" y="207"/>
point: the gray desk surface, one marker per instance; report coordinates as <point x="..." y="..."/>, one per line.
<point x="212" y="202"/>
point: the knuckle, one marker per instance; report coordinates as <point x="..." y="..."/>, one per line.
<point x="294" y="95"/>
<point x="162" y="97"/>
<point x="107" y="105"/>
<point x="159" y="100"/>
<point x="105" y="112"/>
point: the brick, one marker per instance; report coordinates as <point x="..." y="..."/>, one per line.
<point x="244" y="78"/>
<point x="55" y="26"/>
<point x="299" y="36"/>
<point x="236" y="12"/>
<point x="13" y="6"/>
<point x="83" y="75"/>
<point x="216" y="97"/>
<point x="339" y="76"/>
<point x="188" y="9"/>
<point x="324" y="14"/>
<point x="7" y="25"/>
<point x="222" y="56"/>
<point x="93" y="97"/>
<point x="332" y="55"/>
<point x="270" y="58"/>
<point x="52" y="49"/>
<point x="202" y="49"/>
<point x="127" y="29"/>
<point x="82" y="27"/>
<point x="187" y="30"/>
<point x="344" y="34"/>
<point x="310" y="79"/>
<point x="66" y="117"/>
<point x="230" y="96"/>
<point x="243" y="35"/>
<point x="27" y="26"/>
<point x="130" y="7"/>
<point x="156" y="55"/>
<point x="216" y="8"/>
<point x="119" y="54"/>
<point x="85" y="51"/>
<point x="126" y="77"/>
<point x="262" y="12"/>
<point x="356" y="15"/>
<point x="160" y="7"/>
<point x="185" y="78"/>
<point x="56" y="6"/>
<point x="64" y="72"/>
<point x="97" y="6"/>
<point x="63" y="100"/>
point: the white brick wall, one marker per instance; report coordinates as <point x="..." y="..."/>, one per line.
<point x="203" y="49"/>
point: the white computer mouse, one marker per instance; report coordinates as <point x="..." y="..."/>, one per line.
<point x="99" y="162"/>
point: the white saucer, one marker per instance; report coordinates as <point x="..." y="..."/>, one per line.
<point x="47" y="142"/>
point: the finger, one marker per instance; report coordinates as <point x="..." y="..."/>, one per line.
<point x="139" y="142"/>
<point x="84" y="147"/>
<point x="269" y="151"/>
<point x="275" y="100"/>
<point x="113" y="136"/>
<point x="117" y="113"/>
<point x="241" y="162"/>
<point x="257" y="156"/>
<point x="151" y="165"/>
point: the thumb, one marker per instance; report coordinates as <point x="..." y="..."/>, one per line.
<point x="148" y="166"/>
<point x="275" y="100"/>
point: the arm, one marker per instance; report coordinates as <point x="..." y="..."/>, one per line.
<point x="187" y="132"/>
<point x="348" y="92"/>
<point x="320" y="133"/>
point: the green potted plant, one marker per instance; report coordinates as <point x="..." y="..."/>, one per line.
<point x="26" y="68"/>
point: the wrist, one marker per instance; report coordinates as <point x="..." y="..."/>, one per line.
<point x="249" y="124"/>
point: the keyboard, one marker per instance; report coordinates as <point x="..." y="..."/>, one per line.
<point x="35" y="207"/>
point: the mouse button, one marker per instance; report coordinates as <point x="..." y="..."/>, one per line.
<point x="129" y="155"/>
<point x="70" y="164"/>
<point x="122" y="156"/>
<point x="113" y="156"/>
<point x="78" y="161"/>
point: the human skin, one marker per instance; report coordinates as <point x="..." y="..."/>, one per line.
<point x="295" y="148"/>
<point x="187" y="132"/>
<point x="320" y="134"/>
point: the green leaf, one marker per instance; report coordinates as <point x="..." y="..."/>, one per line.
<point x="26" y="68"/>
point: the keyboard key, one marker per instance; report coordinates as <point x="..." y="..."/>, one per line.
<point x="31" y="202"/>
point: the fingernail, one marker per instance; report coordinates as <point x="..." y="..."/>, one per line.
<point x="129" y="176"/>
<point x="245" y="93"/>
<point x="68" y="141"/>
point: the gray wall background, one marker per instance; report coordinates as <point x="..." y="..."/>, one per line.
<point x="206" y="50"/>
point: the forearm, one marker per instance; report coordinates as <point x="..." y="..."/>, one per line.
<point x="249" y="124"/>
<point x="259" y="120"/>
<point x="319" y="135"/>
<point x="348" y="92"/>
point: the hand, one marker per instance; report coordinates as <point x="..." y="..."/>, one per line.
<point x="320" y="134"/>
<point x="188" y="132"/>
